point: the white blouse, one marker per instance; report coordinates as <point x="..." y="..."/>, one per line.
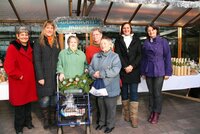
<point x="127" y="39"/>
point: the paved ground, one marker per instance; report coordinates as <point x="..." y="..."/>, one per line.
<point x="179" y="116"/>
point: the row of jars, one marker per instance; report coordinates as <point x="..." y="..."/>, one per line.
<point x="181" y="66"/>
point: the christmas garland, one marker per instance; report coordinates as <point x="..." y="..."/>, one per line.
<point x="78" y="82"/>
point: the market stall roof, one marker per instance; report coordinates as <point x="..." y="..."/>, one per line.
<point x="113" y="12"/>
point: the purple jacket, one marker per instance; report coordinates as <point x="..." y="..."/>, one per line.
<point x="156" y="58"/>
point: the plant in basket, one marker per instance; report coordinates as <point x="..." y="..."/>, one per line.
<point x="78" y="82"/>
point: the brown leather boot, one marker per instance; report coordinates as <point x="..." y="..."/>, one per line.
<point x="125" y="109"/>
<point x="155" y="118"/>
<point x="134" y="113"/>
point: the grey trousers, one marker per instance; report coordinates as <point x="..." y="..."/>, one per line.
<point x="107" y="109"/>
<point x="154" y="85"/>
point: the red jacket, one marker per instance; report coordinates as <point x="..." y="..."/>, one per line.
<point x="19" y="62"/>
<point x="90" y="51"/>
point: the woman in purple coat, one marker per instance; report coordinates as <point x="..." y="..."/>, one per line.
<point x="155" y="67"/>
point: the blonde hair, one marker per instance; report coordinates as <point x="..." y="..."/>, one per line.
<point x="42" y="35"/>
<point x="109" y="40"/>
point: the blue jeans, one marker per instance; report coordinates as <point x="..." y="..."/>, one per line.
<point x="131" y="89"/>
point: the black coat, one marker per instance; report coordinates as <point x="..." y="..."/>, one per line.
<point x="45" y="62"/>
<point x="129" y="56"/>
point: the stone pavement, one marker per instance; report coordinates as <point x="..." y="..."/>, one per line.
<point x="179" y="116"/>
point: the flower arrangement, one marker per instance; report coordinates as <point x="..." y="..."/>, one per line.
<point x="78" y="82"/>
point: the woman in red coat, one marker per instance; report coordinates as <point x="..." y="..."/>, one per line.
<point x="21" y="78"/>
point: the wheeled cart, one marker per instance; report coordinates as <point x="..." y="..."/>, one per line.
<point x="73" y="109"/>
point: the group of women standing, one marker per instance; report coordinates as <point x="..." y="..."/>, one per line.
<point x="152" y="61"/>
<point x="31" y="71"/>
<point x="27" y="64"/>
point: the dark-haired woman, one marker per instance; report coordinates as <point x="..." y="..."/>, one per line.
<point x="129" y="49"/>
<point x="21" y="78"/>
<point x="155" y="67"/>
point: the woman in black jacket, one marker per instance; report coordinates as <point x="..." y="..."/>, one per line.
<point x="129" y="49"/>
<point x="46" y="51"/>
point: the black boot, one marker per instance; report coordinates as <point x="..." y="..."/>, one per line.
<point x="52" y="117"/>
<point x="45" y="116"/>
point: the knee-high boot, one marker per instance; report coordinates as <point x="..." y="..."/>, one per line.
<point x="45" y="117"/>
<point x="134" y="113"/>
<point x="52" y="116"/>
<point x="125" y="109"/>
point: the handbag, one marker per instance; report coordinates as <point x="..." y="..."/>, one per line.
<point x="98" y="88"/>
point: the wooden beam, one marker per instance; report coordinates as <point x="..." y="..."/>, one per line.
<point x="46" y="9"/>
<point x="91" y="39"/>
<point x="179" y="42"/>
<point x="160" y="13"/>
<point x="70" y="7"/>
<point x="61" y="41"/>
<point x="138" y="24"/>
<point x="192" y="20"/>
<point x="108" y="11"/>
<point x="199" y="48"/>
<point x="92" y="2"/>
<point x="183" y="97"/>
<point x="84" y="8"/>
<point x="137" y="9"/>
<point x="14" y="9"/>
<point x="78" y="8"/>
<point x="22" y="21"/>
<point x="183" y="14"/>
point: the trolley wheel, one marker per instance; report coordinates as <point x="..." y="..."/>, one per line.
<point x="88" y="129"/>
<point x="60" y="130"/>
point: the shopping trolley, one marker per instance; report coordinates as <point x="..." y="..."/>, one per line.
<point x="73" y="109"/>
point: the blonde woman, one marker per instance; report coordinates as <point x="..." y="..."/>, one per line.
<point x="46" y="51"/>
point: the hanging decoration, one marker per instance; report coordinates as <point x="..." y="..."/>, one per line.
<point x="77" y="24"/>
<point x="176" y="3"/>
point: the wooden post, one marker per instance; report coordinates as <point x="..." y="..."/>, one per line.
<point x="91" y="40"/>
<point x="199" y="48"/>
<point x="61" y="41"/>
<point x="70" y="7"/>
<point x="179" y="42"/>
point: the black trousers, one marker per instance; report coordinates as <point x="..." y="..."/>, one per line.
<point x="154" y="85"/>
<point x="22" y="116"/>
